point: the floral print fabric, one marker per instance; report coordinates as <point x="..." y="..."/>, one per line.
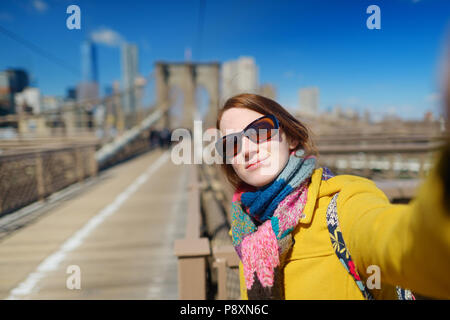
<point x="338" y="244"/>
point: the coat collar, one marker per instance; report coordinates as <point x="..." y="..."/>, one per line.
<point x="313" y="191"/>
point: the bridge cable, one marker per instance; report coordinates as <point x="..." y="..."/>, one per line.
<point x="201" y="18"/>
<point x="39" y="50"/>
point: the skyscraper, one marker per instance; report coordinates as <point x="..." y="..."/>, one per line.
<point x="239" y="76"/>
<point x="89" y="62"/>
<point x="309" y="100"/>
<point x="130" y="65"/>
<point x="87" y="90"/>
<point x="12" y="81"/>
<point x="268" y="90"/>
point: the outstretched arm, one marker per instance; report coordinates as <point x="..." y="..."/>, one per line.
<point x="410" y="243"/>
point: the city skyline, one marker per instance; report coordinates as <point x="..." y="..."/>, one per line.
<point x="307" y="44"/>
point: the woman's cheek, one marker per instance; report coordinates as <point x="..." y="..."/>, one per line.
<point x="237" y="161"/>
<point x="239" y="169"/>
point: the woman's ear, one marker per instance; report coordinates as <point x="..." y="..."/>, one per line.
<point x="293" y="144"/>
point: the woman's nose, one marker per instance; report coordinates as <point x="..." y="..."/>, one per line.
<point x="249" y="148"/>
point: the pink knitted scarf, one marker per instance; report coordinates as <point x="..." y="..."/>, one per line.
<point x="264" y="248"/>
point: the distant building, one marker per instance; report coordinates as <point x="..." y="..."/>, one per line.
<point x="309" y="101"/>
<point x="87" y="91"/>
<point x="116" y="87"/>
<point x="6" y="98"/>
<point x="139" y="84"/>
<point x="29" y="100"/>
<point x="366" y="116"/>
<point x="12" y="81"/>
<point x="442" y="124"/>
<point x="428" y="116"/>
<point x="338" y="112"/>
<point x="239" y="76"/>
<point x="130" y="66"/>
<point x="18" y="79"/>
<point x="351" y="113"/>
<point x="50" y="103"/>
<point x="390" y="117"/>
<point x="71" y="93"/>
<point x="268" y="91"/>
<point x="89" y="62"/>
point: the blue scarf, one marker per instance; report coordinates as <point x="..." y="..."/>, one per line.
<point x="262" y="203"/>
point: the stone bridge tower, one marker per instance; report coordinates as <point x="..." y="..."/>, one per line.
<point x="188" y="76"/>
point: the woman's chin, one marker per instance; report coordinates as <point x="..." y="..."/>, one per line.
<point x="262" y="175"/>
<point x="260" y="179"/>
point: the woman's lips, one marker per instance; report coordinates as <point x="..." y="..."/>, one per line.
<point x="255" y="165"/>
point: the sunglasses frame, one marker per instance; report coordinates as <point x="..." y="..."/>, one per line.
<point x="240" y="134"/>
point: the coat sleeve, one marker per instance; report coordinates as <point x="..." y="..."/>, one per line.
<point x="409" y="243"/>
<point x="242" y="287"/>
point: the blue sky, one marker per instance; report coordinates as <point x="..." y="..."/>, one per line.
<point x="295" y="44"/>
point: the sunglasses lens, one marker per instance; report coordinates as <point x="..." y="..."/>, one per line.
<point x="232" y="146"/>
<point x="229" y="146"/>
<point x="261" y="130"/>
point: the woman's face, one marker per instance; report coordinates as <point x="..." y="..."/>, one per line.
<point x="256" y="164"/>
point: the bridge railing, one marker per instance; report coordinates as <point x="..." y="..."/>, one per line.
<point x="392" y="159"/>
<point x="31" y="169"/>
<point x="45" y="152"/>
<point x="193" y="250"/>
<point x="132" y="142"/>
<point x="27" y="176"/>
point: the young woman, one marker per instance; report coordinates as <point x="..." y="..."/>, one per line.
<point x="302" y="233"/>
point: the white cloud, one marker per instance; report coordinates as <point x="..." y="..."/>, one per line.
<point x="39" y="5"/>
<point x="107" y="37"/>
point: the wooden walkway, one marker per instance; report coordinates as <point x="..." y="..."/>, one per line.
<point x="119" y="232"/>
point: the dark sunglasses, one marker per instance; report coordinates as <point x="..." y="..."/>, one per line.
<point x="257" y="131"/>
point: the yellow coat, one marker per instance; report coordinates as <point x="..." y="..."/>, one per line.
<point x="409" y="243"/>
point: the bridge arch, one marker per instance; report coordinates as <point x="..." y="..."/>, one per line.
<point x="203" y="100"/>
<point x="188" y="77"/>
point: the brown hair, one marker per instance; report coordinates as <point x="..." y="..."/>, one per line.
<point x="293" y="128"/>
